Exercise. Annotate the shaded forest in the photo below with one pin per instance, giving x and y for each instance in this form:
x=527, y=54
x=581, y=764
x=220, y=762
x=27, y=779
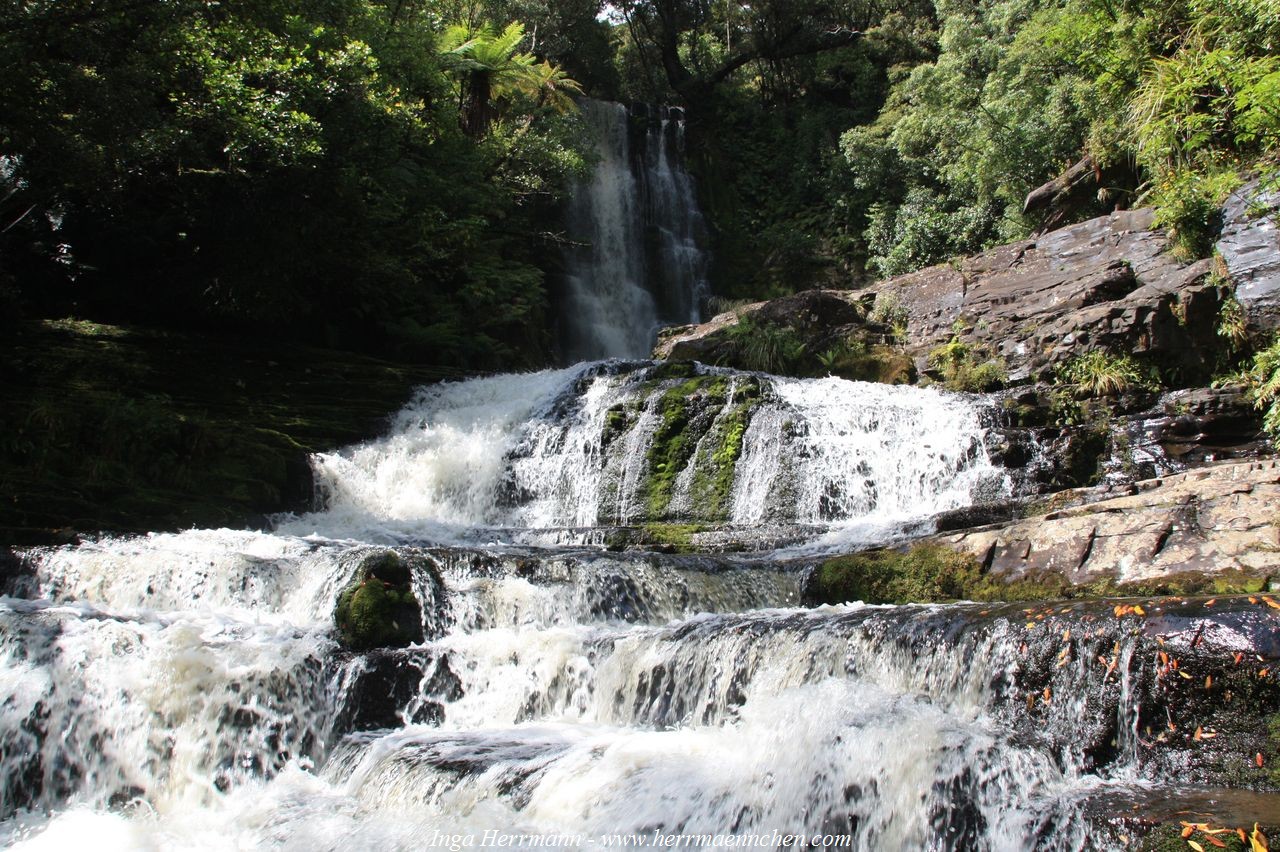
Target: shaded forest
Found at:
x=387, y=177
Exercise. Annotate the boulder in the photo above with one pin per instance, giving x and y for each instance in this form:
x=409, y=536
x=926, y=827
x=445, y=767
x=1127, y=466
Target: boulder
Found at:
x=813, y=316
x=379, y=607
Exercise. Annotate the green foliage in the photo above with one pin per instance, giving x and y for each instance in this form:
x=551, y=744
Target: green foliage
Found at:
x=301, y=170
x=1264, y=386
x=965, y=368
x=1189, y=205
x=1177, y=95
x=1233, y=324
x=1100, y=373
x=765, y=347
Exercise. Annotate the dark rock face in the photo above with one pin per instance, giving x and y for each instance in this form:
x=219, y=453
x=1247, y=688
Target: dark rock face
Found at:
x=1250, y=247
x=1137, y=436
x=1109, y=283
x=1177, y=685
x=391, y=687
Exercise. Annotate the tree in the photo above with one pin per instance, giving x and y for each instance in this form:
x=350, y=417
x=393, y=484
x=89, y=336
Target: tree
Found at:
x=699, y=45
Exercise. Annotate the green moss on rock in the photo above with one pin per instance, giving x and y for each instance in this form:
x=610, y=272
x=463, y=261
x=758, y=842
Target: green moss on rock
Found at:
x=926, y=572
x=687, y=411
x=379, y=609
x=930, y=573
x=676, y=537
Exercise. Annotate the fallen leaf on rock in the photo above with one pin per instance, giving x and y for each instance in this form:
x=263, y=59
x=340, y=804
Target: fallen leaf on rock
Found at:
x=1257, y=758
x=1198, y=734
x=1195, y=846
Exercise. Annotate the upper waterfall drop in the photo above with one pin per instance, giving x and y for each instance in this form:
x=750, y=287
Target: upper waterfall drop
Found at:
x=638, y=263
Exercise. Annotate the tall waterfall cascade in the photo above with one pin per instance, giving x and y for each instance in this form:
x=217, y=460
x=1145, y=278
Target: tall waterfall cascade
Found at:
x=638, y=263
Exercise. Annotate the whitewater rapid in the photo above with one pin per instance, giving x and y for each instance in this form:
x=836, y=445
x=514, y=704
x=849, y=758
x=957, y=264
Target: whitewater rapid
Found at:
x=185, y=690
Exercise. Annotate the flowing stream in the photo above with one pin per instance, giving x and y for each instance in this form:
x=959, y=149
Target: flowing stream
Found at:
x=187, y=691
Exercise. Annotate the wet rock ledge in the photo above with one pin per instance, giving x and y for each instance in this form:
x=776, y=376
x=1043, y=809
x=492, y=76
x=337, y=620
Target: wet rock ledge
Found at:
x=1217, y=521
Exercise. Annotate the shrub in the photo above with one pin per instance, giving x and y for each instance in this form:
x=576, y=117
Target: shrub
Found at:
x=1189, y=204
x=1100, y=373
x=763, y=347
x=1233, y=325
x=1264, y=387
x=964, y=368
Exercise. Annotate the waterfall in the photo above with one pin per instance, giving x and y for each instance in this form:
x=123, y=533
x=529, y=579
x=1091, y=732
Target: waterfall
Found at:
x=591, y=445
x=188, y=690
x=639, y=264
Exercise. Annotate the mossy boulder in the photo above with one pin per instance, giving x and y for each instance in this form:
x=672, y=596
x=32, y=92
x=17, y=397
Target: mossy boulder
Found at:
x=379, y=609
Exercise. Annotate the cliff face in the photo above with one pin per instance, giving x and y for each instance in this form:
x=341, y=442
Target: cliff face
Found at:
x=1112, y=283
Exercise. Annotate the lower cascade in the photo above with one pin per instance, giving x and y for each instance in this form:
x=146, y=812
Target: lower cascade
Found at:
x=191, y=690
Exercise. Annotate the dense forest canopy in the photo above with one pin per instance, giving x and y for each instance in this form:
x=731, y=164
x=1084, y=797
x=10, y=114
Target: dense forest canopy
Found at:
x=386, y=176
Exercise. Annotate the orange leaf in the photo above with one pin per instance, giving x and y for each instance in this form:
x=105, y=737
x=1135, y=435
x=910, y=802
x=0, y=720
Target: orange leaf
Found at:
x=1049, y=694
x=1244, y=838
x=1198, y=734
x=1252, y=599
x=1208, y=681
x=1188, y=831
x=1257, y=758
x=1272, y=603
x=1239, y=657
x=1264, y=672
x=1164, y=659
x=1066, y=635
x=1215, y=841
x=1139, y=610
